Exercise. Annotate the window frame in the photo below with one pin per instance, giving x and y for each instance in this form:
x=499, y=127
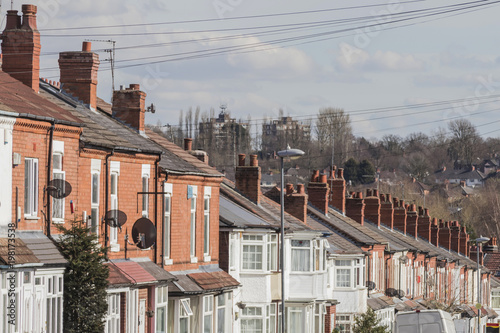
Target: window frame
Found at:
x=206, y=227
x=252, y=241
x=113, y=314
x=58, y=204
x=161, y=303
x=255, y=317
x=341, y=268
x=192, y=215
x=114, y=203
x=31, y=187
x=208, y=312
x=94, y=205
x=294, y=250
x=167, y=222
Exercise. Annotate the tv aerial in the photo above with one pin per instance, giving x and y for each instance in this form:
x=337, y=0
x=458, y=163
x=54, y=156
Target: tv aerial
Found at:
x=370, y=285
x=144, y=233
x=115, y=218
x=59, y=188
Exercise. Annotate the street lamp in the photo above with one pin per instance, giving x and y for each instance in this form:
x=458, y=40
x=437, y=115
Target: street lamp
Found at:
x=479, y=241
x=282, y=154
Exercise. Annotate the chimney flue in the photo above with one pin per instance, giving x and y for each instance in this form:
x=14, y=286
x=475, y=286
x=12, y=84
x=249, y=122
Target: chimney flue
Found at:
x=86, y=47
x=188, y=144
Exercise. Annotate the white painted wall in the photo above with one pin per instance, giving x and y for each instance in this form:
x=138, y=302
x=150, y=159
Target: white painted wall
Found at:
x=6, y=126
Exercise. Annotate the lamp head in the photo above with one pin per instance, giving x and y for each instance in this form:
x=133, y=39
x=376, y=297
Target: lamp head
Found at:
x=482, y=240
x=289, y=152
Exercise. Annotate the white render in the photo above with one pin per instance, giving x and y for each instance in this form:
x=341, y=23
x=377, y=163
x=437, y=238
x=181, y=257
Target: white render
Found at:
x=6, y=127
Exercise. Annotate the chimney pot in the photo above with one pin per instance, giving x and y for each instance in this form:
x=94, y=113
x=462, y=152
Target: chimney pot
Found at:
x=333, y=171
x=253, y=161
x=13, y=20
x=87, y=47
x=315, y=176
x=375, y=193
x=289, y=188
x=359, y=195
x=323, y=179
x=188, y=144
x=368, y=192
x=301, y=189
x=241, y=159
x=135, y=86
x=340, y=173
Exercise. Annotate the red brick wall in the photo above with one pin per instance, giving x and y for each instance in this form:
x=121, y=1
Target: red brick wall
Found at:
x=412, y=220
x=355, y=207
x=372, y=206
x=129, y=105
x=31, y=139
x=331, y=312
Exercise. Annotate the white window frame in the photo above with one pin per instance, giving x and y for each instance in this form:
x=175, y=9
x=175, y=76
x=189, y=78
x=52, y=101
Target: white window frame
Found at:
x=192, y=238
x=271, y=317
x=272, y=253
x=161, y=305
x=343, y=322
x=58, y=173
x=132, y=310
x=343, y=269
x=146, y=173
x=302, y=323
x=31, y=187
x=250, y=243
x=94, y=201
x=206, y=224
x=185, y=312
x=225, y=308
x=113, y=314
x=250, y=314
x=113, y=190
x=167, y=226
x=54, y=303
x=296, y=248
x=319, y=317
x=208, y=314
x=233, y=239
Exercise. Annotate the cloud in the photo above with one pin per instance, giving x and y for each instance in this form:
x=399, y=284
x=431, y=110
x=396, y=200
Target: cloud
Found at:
x=354, y=59
x=460, y=60
x=438, y=80
x=311, y=100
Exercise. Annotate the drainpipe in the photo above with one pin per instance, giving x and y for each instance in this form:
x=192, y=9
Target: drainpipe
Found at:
x=49, y=169
x=387, y=272
x=106, y=200
x=425, y=277
x=369, y=270
x=156, y=209
x=413, y=276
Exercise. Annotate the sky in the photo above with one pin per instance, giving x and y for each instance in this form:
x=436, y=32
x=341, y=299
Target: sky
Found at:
x=383, y=75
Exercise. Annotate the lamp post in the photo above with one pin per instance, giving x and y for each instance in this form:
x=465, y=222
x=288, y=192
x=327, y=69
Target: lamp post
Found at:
x=479, y=241
x=282, y=154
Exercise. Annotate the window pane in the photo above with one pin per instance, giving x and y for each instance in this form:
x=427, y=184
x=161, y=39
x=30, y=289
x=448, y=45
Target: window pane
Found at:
x=252, y=256
x=145, y=188
x=95, y=188
x=300, y=260
x=206, y=234
x=343, y=278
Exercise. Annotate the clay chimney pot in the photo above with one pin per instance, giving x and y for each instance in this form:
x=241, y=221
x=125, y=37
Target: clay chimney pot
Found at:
x=241, y=159
x=289, y=188
x=87, y=47
x=253, y=161
x=301, y=189
x=188, y=144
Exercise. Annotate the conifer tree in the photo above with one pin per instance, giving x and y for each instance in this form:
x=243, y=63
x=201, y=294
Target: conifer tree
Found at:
x=85, y=280
x=368, y=323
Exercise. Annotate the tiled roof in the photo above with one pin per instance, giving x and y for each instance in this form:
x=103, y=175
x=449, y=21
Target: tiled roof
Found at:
x=338, y=244
x=43, y=248
x=23, y=255
x=19, y=98
x=492, y=261
x=214, y=280
x=117, y=277
x=183, y=285
x=176, y=159
x=377, y=303
x=134, y=272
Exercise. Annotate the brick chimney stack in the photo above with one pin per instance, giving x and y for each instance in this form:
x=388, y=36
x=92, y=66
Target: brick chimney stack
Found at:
x=21, y=47
x=386, y=211
x=412, y=220
x=129, y=105
x=455, y=236
x=248, y=178
x=296, y=202
x=424, y=224
x=372, y=206
x=445, y=235
x=399, y=215
x=464, y=241
x=318, y=191
x=79, y=74
x=435, y=232
x=491, y=246
x=337, y=199
x=355, y=207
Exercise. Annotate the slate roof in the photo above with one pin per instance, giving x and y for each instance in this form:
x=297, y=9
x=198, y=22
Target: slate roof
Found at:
x=156, y=271
x=377, y=303
x=134, y=272
x=462, y=174
x=176, y=159
x=43, y=248
x=19, y=98
x=232, y=214
x=268, y=210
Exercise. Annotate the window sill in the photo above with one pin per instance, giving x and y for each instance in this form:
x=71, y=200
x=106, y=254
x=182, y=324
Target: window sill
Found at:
x=58, y=221
x=32, y=217
x=194, y=260
x=115, y=248
x=207, y=258
x=168, y=262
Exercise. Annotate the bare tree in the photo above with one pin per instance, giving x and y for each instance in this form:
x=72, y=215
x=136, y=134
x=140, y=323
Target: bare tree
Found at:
x=333, y=130
x=464, y=141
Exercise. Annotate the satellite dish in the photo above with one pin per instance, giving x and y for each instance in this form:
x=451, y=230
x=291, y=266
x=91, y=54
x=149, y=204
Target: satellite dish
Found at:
x=115, y=218
x=400, y=293
x=391, y=292
x=144, y=233
x=59, y=188
x=370, y=285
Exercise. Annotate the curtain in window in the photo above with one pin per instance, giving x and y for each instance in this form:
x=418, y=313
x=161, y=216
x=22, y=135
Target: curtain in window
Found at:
x=300, y=260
